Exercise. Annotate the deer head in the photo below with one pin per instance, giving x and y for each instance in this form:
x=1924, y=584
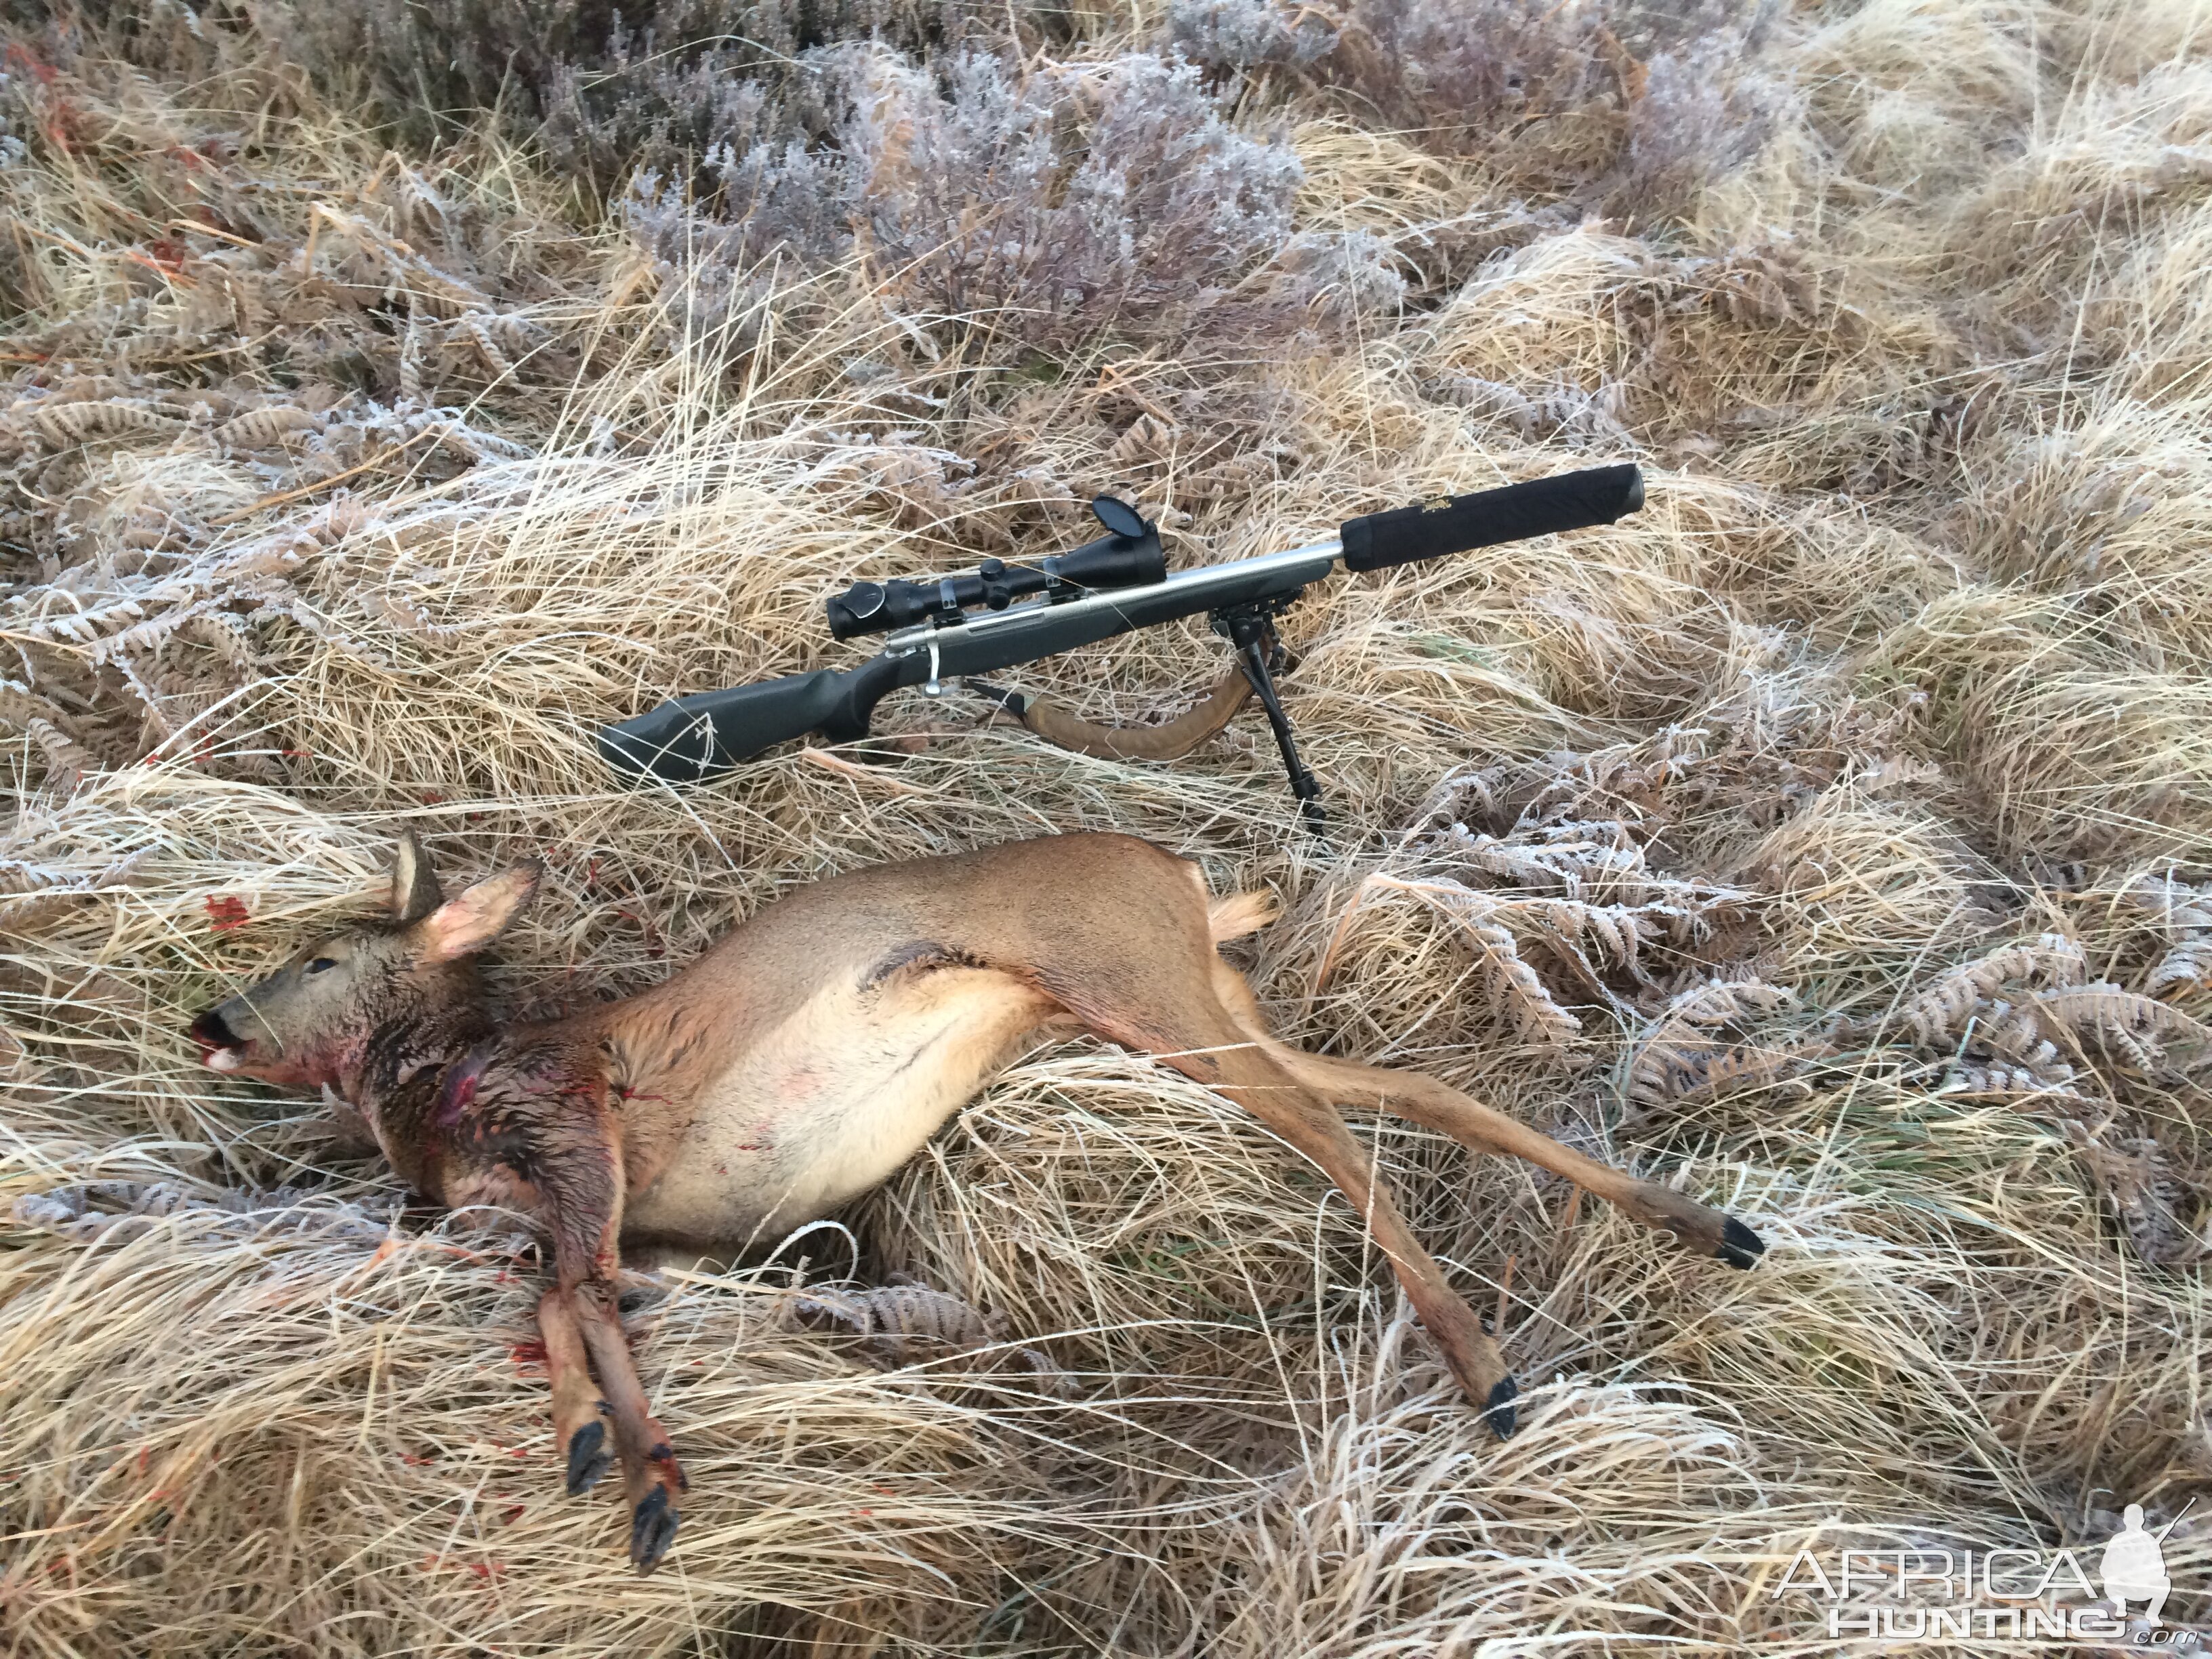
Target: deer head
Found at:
x=401, y=987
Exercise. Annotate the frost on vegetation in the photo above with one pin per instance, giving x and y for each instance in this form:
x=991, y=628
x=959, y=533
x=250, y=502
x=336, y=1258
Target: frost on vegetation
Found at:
x=2024, y=1022
x=1633, y=104
x=1559, y=410
x=112, y=1212
x=905, y=1322
x=2183, y=912
x=1244, y=34
x=1568, y=875
x=1578, y=896
x=267, y=457
x=34, y=896
x=1343, y=276
x=1698, y=1044
x=120, y=662
x=596, y=91
x=2026, y=1017
x=1761, y=756
x=175, y=467
x=1048, y=205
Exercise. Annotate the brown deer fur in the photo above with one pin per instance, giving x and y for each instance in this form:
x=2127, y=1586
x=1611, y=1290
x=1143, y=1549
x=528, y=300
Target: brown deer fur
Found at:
x=803, y=1059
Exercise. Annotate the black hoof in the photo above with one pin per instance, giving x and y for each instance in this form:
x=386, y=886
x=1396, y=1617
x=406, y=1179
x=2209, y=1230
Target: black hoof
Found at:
x=588, y=1458
x=652, y=1530
x=1739, y=1246
x=1499, y=1412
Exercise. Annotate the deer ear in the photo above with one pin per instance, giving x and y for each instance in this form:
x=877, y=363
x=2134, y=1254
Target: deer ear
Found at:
x=415, y=890
x=464, y=925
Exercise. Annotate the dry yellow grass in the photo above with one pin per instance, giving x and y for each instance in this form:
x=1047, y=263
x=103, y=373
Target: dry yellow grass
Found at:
x=1904, y=665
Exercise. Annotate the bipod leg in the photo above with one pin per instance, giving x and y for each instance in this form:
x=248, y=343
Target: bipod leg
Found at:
x=1254, y=636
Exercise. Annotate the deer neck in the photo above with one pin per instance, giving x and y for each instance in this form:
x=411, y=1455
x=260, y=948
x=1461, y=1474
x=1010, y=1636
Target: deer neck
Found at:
x=396, y=1080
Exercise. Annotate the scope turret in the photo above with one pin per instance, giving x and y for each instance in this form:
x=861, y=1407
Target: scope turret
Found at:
x=1129, y=556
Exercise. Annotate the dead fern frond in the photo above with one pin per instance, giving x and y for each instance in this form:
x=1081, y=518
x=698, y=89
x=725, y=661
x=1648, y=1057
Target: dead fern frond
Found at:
x=479, y=332
x=1688, y=1050
x=2187, y=964
x=1536, y=1016
x=2184, y=912
x=1717, y=1002
x=114, y=1213
x=270, y=427
x=903, y=1322
x=56, y=733
x=32, y=895
x=2003, y=1079
x=407, y=618
x=2138, y=1179
x=1574, y=857
x=1733, y=1070
x=413, y=349
x=65, y=424
x=2137, y=1028
x=403, y=272
x=1940, y=1014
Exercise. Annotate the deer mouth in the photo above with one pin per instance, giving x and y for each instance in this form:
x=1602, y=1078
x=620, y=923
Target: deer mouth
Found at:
x=222, y=1049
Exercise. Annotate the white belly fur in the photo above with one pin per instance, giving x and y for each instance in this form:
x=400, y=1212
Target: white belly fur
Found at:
x=826, y=1104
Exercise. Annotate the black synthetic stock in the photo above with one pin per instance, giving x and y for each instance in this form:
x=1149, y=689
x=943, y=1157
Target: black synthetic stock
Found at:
x=1458, y=524
x=695, y=737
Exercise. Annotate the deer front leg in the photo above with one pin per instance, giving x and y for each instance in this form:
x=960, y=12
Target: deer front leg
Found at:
x=650, y=1476
x=579, y=1431
x=582, y=1161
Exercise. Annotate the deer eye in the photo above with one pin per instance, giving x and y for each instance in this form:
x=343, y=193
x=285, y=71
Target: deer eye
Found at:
x=320, y=964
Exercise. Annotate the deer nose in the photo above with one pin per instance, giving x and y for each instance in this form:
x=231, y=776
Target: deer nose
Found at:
x=211, y=1031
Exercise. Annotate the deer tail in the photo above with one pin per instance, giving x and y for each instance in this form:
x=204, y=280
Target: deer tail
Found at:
x=1238, y=914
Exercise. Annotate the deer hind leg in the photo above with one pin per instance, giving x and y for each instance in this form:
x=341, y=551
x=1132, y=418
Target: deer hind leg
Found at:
x=1182, y=1025
x=1438, y=1106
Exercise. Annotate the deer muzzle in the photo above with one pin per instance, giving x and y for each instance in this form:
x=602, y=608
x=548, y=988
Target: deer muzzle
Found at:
x=222, y=1049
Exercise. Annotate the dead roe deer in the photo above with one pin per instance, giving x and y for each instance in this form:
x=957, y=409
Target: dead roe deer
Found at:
x=804, y=1058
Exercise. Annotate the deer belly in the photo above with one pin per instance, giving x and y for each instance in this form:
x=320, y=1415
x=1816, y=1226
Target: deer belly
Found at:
x=826, y=1105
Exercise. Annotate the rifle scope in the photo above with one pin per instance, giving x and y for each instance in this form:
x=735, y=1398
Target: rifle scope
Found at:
x=1128, y=555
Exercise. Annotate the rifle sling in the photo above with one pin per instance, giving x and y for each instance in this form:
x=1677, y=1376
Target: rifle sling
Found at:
x=1171, y=741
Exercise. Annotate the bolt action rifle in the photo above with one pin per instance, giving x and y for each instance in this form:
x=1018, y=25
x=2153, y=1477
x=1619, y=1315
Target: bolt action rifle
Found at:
x=960, y=626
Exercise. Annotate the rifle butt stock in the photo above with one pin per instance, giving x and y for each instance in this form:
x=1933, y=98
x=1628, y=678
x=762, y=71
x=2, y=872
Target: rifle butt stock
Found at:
x=693, y=738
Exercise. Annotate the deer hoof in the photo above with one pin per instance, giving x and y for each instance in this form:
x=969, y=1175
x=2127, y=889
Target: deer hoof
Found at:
x=1498, y=1411
x=1739, y=1246
x=588, y=1458
x=652, y=1530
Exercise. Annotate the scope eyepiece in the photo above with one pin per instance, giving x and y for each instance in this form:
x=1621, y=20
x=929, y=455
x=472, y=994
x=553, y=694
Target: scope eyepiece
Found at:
x=1130, y=556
